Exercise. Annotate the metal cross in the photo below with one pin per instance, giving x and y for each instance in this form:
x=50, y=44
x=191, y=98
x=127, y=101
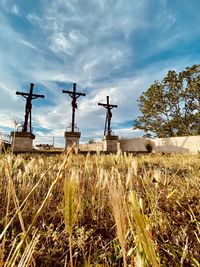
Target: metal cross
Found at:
x=29, y=97
x=74, y=95
x=108, y=106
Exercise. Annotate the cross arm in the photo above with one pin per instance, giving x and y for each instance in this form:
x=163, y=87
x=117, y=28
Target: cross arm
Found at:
x=33, y=96
x=107, y=106
x=71, y=93
x=114, y=106
x=23, y=94
x=36, y=96
x=101, y=104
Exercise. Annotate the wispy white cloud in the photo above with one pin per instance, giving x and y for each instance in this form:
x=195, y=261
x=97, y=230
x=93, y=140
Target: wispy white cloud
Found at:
x=10, y=7
x=28, y=44
x=15, y=10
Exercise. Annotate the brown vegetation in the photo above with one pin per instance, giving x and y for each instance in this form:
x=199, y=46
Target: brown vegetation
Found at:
x=113, y=210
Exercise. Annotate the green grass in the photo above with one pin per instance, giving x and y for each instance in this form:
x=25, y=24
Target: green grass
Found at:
x=114, y=210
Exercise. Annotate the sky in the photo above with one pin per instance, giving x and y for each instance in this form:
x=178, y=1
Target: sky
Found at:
x=108, y=47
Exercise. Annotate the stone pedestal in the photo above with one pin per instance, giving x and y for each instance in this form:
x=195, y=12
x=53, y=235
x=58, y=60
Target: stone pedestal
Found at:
x=22, y=142
x=72, y=140
x=110, y=143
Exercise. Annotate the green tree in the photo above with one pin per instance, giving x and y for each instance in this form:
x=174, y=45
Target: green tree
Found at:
x=172, y=107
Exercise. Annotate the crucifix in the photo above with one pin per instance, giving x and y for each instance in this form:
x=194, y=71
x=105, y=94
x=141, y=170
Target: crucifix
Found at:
x=74, y=95
x=108, y=106
x=29, y=97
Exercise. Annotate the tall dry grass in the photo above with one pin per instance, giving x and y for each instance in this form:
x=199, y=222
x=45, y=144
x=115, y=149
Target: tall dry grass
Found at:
x=114, y=210
x=71, y=206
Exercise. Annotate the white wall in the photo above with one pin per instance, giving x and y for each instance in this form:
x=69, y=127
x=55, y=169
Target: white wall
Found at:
x=134, y=144
x=91, y=147
x=185, y=144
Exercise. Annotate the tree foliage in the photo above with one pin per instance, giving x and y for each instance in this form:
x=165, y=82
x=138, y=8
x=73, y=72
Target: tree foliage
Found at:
x=172, y=107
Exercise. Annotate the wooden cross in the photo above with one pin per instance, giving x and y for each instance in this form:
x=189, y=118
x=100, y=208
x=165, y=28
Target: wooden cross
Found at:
x=29, y=97
x=108, y=106
x=74, y=95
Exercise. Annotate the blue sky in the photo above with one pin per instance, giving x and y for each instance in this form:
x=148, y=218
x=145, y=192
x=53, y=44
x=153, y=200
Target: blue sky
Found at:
x=108, y=47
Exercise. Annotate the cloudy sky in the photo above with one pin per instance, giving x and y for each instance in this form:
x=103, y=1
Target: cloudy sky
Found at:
x=108, y=47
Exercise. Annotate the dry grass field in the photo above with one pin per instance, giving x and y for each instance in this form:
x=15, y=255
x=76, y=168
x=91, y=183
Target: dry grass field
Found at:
x=95, y=210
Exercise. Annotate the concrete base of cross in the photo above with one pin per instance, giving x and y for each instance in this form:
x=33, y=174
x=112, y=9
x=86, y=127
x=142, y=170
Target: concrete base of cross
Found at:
x=72, y=140
x=110, y=143
x=22, y=142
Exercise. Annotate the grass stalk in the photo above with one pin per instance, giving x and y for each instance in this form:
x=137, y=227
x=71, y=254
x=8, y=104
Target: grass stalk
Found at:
x=28, y=196
x=71, y=208
x=6, y=222
x=143, y=238
x=25, y=236
x=117, y=204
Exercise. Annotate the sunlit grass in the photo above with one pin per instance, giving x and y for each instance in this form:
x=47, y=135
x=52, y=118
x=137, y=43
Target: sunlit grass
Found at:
x=114, y=210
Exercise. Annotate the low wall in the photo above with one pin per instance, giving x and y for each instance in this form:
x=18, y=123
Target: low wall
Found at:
x=91, y=147
x=134, y=144
x=184, y=144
